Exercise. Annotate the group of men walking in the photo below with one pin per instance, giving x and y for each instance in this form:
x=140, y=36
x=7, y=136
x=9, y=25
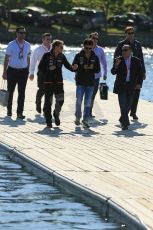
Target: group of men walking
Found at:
x=87, y=65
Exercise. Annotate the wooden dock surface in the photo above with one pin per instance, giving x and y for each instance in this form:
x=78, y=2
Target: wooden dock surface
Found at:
x=117, y=164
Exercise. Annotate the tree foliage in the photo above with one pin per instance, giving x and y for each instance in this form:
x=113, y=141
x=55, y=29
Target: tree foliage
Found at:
x=109, y=6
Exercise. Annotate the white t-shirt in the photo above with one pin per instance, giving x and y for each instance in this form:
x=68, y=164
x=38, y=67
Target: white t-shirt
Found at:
x=36, y=57
x=13, y=50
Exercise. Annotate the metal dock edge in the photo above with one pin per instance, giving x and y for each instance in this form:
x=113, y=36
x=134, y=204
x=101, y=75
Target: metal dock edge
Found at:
x=103, y=205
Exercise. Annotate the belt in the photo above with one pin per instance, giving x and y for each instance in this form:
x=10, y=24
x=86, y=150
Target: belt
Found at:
x=17, y=69
x=51, y=82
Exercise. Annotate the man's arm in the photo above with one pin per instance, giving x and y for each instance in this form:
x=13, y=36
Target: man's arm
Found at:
x=116, y=64
x=139, y=74
x=118, y=50
x=142, y=61
x=6, y=61
x=33, y=62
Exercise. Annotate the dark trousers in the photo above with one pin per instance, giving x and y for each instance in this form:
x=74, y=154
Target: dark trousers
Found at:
x=19, y=78
x=135, y=101
x=58, y=91
x=40, y=92
x=125, y=101
x=96, y=85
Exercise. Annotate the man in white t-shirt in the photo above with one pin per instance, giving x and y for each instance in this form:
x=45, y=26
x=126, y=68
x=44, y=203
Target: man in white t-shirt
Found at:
x=34, y=61
x=16, y=69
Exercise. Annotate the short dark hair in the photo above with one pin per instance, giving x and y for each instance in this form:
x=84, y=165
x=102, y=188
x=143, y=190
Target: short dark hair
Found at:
x=129, y=28
x=57, y=43
x=20, y=28
x=46, y=35
x=88, y=41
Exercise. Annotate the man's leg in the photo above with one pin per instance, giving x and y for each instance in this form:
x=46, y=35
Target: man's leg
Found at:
x=22, y=82
x=80, y=90
x=47, y=112
x=135, y=103
x=40, y=93
x=96, y=85
x=87, y=104
x=59, y=97
x=11, y=83
x=124, y=108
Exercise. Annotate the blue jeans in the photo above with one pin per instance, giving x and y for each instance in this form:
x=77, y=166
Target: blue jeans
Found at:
x=125, y=102
x=86, y=92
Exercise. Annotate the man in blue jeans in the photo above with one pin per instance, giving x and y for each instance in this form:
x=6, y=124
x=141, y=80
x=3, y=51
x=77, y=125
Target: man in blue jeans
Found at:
x=88, y=64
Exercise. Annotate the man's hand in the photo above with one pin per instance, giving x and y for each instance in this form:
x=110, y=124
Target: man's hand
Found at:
x=4, y=76
x=75, y=67
x=118, y=61
x=31, y=77
x=144, y=76
x=104, y=77
x=138, y=86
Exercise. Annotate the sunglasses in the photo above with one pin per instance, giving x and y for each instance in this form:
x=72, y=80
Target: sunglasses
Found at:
x=21, y=32
x=125, y=50
x=88, y=48
x=130, y=33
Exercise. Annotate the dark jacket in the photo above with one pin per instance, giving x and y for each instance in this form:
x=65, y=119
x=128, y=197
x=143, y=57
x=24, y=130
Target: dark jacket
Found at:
x=136, y=75
x=50, y=67
x=86, y=77
x=136, y=51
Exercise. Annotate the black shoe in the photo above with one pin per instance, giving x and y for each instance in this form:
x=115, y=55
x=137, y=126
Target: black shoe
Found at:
x=57, y=120
x=38, y=107
x=20, y=116
x=135, y=117
x=49, y=125
x=9, y=113
x=124, y=127
x=92, y=116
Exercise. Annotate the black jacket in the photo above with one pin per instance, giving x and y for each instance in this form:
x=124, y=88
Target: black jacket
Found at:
x=136, y=51
x=83, y=76
x=136, y=75
x=50, y=67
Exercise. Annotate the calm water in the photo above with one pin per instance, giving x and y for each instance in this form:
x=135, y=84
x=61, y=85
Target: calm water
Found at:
x=28, y=203
x=147, y=90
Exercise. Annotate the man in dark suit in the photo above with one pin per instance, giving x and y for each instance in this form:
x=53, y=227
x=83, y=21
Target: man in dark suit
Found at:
x=129, y=76
x=137, y=52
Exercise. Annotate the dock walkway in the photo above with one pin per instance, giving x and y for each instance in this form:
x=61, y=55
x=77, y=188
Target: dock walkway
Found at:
x=114, y=163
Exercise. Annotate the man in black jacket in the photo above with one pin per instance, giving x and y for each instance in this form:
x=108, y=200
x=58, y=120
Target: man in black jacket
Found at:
x=50, y=67
x=88, y=64
x=129, y=76
x=137, y=52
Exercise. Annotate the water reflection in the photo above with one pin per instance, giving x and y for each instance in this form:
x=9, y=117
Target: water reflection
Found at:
x=27, y=203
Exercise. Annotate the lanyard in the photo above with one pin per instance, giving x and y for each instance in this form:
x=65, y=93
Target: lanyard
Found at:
x=21, y=48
